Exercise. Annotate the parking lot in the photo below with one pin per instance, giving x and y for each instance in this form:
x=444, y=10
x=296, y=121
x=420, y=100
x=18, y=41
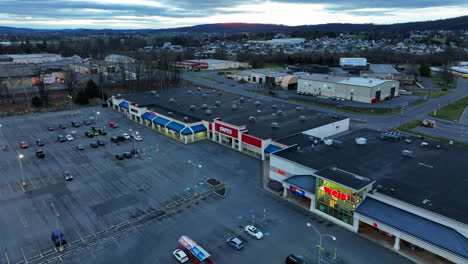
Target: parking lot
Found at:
x=134, y=210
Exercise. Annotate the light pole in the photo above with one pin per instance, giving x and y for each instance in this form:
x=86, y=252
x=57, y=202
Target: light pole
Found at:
x=71, y=105
x=320, y=248
x=133, y=135
x=20, y=157
x=195, y=170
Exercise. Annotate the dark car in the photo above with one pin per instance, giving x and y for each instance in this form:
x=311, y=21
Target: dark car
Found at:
x=89, y=134
x=114, y=139
x=40, y=154
x=102, y=132
x=134, y=152
x=93, y=144
x=119, y=157
x=235, y=243
x=87, y=122
x=80, y=147
x=101, y=142
x=39, y=142
x=293, y=259
x=62, y=126
x=67, y=175
x=94, y=128
x=75, y=124
x=127, y=155
x=61, y=138
x=120, y=138
x=58, y=238
x=275, y=186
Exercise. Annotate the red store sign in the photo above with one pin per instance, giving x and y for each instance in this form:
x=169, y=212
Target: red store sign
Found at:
x=337, y=194
x=252, y=140
x=228, y=131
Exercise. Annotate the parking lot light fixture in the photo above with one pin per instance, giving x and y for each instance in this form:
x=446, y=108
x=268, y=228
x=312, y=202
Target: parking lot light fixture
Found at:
x=320, y=248
x=20, y=157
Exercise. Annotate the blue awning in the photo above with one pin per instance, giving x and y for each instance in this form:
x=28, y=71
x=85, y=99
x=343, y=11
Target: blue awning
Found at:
x=422, y=228
x=148, y=116
x=109, y=100
x=175, y=126
x=198, y=128
x=272, y=148
x=161, y=121
x=124, y=104
x=186, y=131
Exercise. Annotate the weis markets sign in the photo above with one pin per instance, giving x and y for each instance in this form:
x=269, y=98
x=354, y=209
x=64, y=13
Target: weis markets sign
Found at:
x=336, y=193
x=228, y=131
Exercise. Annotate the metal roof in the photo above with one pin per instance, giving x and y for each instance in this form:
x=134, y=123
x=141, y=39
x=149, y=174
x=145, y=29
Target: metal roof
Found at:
x=382, y=68
x=365, y=82
x=422, y=228
x=304, y=182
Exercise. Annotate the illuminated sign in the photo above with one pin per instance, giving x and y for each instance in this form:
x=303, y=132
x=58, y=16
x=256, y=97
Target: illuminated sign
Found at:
x=281, y=172
x=194, y=248
x=151, y=112
x=335, y=193
x=225, y=130
x=297, y=191
x=228, y=131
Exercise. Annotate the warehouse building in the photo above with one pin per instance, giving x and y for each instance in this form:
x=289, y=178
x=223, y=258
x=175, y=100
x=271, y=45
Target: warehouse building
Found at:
x=249, y=125
x=280, y=41
x=388, y=72
x=404, y=191
x=30, y=58
x=210, y=64
x=272, y=78
x=360, y=89
x=353, y=62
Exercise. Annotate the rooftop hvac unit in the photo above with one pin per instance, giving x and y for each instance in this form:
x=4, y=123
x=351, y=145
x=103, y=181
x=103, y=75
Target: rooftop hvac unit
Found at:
x=185, y=118
x=257, y=103
x=171, y=100
x=302, y=118
x=199, y=88
x=241, y=99
x=424, y=143
x=407, y=153
x=234, y=107
x=220, y=93
x=170, y=113
x=204, y=95
x=204, y=106
x=218, y=103
x=208, y=112
x=193, y=107
x=189, y=91
x=274, y=125
x=274, y=106
x=252, y=119
x=259, y=111
x=298, y=108
x=361, y=141
x=279, y=112
x=328, y=142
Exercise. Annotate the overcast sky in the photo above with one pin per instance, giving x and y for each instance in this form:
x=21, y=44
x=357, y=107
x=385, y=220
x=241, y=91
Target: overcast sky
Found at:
x=174, y=13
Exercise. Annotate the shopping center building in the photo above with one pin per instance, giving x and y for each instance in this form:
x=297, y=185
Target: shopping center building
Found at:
x=404, y=190
x=250, y=125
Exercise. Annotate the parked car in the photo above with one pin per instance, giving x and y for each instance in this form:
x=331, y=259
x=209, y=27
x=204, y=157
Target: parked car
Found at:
x=102, y=132
x=113, y=124
x=87, y=122
x=101, y=142
x=93, y=144
x=114, y=139
x=127, y=155
x=253, y=231
x=134, y=151
x=89, y=134
x=75, y=124
x=180, y=256
x=293, y=259
x=119, y=156
x=50, y=128
x=80, y=147
x=121, y=138
x=39, y=143
x=67, y=175
x=126, y=136
x=94, y=128
x=40, y=154
x=62, y=126
x=235, y=242
x=69, y=137
x=61, y=138
x=23, y=144
x=58, y=238
x=95, y=133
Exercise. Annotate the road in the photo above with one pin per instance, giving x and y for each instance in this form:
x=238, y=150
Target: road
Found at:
x=382, y=122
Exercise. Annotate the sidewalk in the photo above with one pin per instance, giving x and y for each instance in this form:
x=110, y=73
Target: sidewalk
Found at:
x=464, y=117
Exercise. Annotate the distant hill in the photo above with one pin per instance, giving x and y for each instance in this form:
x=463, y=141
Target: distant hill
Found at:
x=458, y=23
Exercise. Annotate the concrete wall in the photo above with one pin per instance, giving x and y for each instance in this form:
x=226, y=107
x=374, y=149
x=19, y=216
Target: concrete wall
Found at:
x=316, y=87
x=329, y=129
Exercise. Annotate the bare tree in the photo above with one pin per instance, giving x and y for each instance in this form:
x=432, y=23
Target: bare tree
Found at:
x=71, y=80
x=43, y=90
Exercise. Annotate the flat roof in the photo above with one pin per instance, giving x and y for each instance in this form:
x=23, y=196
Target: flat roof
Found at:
x=364, y=82
x=322, y=78
x=382, y=68
x=304, y=182
x=338, y=175
x=212, y=61
x=433, y=178
x=194, y=102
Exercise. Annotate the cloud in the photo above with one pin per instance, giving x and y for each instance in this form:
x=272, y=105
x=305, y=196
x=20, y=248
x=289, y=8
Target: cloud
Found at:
x=165, y=13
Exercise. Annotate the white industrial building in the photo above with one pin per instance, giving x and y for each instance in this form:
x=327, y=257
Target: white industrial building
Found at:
x=353, y=62
x=278, y=78
x=119, y=59
x=30, y=58
x=366, y=90
x=211, y=64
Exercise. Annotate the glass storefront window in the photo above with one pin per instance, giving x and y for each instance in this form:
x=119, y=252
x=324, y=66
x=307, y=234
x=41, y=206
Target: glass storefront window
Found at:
x=337, y=201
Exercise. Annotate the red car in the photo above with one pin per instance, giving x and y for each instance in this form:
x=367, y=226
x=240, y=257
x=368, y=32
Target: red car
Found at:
x=23, y=144
x=113, y=124
x=50, y=129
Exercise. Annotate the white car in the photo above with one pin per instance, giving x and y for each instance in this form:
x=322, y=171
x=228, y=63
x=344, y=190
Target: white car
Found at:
x=137, y=137
x=253, y=231
x=126, y=136
x=180, y=255
x=69, y=137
